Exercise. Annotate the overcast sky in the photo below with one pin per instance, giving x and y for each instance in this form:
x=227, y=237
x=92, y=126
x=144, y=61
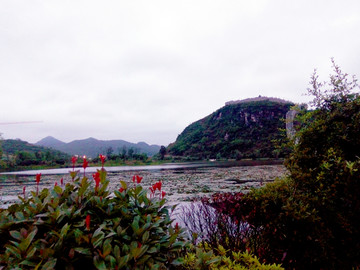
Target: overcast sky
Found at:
x=144, y=70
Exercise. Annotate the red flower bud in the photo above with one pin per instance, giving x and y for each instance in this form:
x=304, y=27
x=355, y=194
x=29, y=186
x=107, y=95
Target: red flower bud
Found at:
x=73, y=160
x=87, y=222
x=102, y=158
x=157, y=185
x=96, y=177
x=38, y=176
x=137, y=179
x=85, y=163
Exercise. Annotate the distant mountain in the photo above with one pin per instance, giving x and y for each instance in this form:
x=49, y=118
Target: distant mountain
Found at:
x=50, y=142
x=92, y=147
x=241, y=129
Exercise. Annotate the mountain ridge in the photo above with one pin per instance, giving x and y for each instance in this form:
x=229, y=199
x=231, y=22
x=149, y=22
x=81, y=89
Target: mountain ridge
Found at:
x=92, y=147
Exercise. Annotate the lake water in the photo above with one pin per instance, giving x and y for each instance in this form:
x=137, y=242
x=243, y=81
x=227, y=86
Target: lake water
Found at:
x=182, y=182
x=166, y=166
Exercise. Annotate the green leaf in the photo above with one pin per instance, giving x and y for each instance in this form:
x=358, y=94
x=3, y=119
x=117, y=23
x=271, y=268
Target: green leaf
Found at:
x=99, y=264
x=145, y=236
x=153, y=250
x=13, y=250
x=144, y=259
x=123, y=261
x=98, y=237
x=107, y=247
x=103, y=174
x=117, y=252
x=135, y=225
x=28, y=263
x=112, y=261
x=58, y=190
x=123, y=184
x=26, y=242
x=84, y=251
x=50, y=264
x=83, y=186
x=178, y=261
x=16, y=235
x=19, y=215
x=31, y=252
x=64, y=230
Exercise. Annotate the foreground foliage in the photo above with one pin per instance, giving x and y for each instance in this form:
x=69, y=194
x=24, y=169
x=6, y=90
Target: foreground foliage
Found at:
x=77, y=225
x=81, y=225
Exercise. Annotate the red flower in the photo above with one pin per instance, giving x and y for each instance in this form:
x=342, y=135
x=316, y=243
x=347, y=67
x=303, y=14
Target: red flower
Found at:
x=24, y=188
x=38, y=176
x=163, y=193
x=85, y=163
x=139, y=245
x=73, y=160
x=96, y=177
x=177, y=227
x=55, y=184
x=157, y=185
x=137, y=179
x=102, y=158
x=62, y=181
x=87, y=222
x=121, y=189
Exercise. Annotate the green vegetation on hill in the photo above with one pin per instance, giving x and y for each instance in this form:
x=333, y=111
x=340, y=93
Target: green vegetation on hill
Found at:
x=238, y=130
x=17, y=153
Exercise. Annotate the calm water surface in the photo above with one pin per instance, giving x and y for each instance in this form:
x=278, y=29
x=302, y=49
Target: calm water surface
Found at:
x=181, y=181
x=166, y=166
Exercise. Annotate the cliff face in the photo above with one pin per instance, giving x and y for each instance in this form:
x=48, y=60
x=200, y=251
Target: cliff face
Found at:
x=240, y=129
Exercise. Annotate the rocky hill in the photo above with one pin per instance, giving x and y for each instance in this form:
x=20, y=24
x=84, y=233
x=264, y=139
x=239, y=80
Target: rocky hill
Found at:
x=92, y=147
x=241, y=129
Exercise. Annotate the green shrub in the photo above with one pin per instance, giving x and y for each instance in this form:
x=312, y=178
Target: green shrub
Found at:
x=81, y=225
x=203, y=257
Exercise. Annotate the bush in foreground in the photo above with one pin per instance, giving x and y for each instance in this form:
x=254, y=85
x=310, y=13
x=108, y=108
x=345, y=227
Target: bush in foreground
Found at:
x=79, y=225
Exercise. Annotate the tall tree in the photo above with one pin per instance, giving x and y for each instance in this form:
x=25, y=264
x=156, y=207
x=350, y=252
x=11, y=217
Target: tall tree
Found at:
x=162, y=152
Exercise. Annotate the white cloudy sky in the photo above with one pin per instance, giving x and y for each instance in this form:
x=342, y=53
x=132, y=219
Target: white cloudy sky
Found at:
x=144, y=70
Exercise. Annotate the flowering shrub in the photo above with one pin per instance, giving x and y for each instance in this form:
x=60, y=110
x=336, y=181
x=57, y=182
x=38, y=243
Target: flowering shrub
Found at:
x=219, y=221
x=82, y=225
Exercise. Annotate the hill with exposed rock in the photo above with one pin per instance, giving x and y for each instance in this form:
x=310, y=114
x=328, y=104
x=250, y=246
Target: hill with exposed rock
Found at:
x=249, y=128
